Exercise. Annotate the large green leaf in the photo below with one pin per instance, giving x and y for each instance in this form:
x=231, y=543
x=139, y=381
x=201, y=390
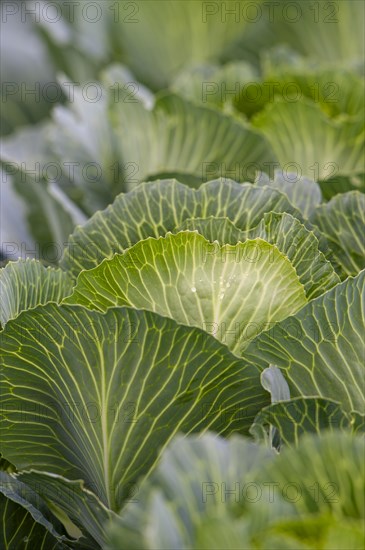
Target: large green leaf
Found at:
x=153, y=209
x=307, y=141
x=186, y=140
x=342, y=220
x=227, y=291
x=27, y=284
x=320, y=349
x=79, y=395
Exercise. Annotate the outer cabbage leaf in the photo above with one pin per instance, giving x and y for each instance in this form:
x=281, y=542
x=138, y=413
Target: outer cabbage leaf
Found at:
x=320, y=349
x=80, y=400
x=153, y=209
x=342, y=221
x=45, y=219
x=215, y=85
x=238, y=87
x=25, y=66
x=82, y=140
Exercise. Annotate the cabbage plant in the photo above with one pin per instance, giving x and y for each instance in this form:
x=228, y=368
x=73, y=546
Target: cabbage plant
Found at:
x=219, y=310
x=182, y=363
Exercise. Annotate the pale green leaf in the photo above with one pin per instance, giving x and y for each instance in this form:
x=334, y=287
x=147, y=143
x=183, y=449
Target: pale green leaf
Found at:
x=330, y=33
x=26, y=147
x=338, y=91
x=274, y=382
x=228, y=291
x=45, y=219
x=302, y=248
x=288, y=234
x=214, y=229
x=221, y=534
x=82, y=140
x=25, y=66
x=214, y=84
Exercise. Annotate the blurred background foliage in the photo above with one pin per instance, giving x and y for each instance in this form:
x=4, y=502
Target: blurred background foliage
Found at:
x=100, y=96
